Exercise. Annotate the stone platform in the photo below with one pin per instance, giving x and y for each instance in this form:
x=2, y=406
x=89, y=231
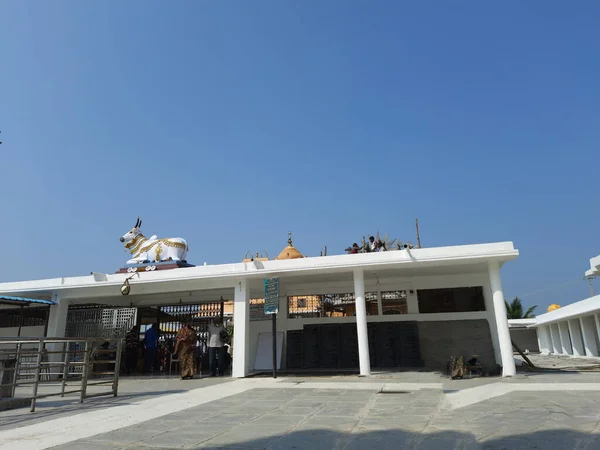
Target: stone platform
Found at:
x=151, y=266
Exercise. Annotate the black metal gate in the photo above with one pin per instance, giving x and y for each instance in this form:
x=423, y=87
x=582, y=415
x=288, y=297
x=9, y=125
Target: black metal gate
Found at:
x=99, y=321
x=114, y=322
x=172, y=317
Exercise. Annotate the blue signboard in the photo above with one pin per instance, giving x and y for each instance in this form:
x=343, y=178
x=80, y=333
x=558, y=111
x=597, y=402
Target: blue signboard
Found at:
x=271, y=295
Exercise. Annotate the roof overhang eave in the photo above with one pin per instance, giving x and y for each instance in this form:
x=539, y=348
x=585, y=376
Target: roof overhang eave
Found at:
x=233, y=273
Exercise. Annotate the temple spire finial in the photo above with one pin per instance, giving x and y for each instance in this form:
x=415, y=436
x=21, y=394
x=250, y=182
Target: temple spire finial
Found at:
x=290, y=238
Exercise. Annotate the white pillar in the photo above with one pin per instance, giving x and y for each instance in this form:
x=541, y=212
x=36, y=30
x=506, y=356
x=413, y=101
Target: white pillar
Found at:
x=57, y=319
x=550, y=338
x=555, y=333
x=57, y=326
x=412, y=302
x=491, y=316
x=544, y=339
x=241, y=330
x=506, y=350
x=565, y=339
x=588, y=328
x=597, y=320
x=361, y=323
x=576, y=338
x=379, y=302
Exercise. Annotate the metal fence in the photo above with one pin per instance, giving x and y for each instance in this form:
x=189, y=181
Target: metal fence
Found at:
x=98, y=320
x=60, y=363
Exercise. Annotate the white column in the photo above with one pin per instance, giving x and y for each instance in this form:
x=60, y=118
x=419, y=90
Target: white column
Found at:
x=597, y=320
x=282, y=318
x=576, y=338
x=379, y=302
x=57, y=326
x=412, y=302
x=555, y=333
x=506, y=350
x=544, y=339
x=491, y=316
x=241, y=330
x=550, y=338
x=57, y=319
x=565, y=339
x=588, y=328
x=361, y=323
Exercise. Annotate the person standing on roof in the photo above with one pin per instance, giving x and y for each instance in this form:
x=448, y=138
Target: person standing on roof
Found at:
x=372, y=244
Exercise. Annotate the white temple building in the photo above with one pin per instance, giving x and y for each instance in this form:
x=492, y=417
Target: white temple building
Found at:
x=406, y=308
x=573, y=329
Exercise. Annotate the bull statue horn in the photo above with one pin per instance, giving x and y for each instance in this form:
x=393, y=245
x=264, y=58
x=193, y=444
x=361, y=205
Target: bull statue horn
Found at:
x=137, y=223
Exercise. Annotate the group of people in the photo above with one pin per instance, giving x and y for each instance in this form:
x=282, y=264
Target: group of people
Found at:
x=186, y=344
x=378, y=245
x=186, y=348
x=374, y=245
x=150, y=348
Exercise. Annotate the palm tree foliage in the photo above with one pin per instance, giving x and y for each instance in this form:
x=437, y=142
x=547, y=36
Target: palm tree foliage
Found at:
x=514, y=310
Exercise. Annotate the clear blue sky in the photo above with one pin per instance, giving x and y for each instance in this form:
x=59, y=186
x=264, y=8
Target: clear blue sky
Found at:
x=231, y=123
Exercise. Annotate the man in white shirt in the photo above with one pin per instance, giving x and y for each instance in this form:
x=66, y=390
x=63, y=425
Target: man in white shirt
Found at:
x=372, y=244
x=216, y=347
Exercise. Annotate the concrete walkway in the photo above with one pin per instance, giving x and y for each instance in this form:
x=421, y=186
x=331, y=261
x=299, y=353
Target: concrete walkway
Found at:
x=539, y=411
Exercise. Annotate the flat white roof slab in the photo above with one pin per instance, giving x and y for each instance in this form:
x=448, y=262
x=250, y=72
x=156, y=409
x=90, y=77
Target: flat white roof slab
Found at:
x=227, y=275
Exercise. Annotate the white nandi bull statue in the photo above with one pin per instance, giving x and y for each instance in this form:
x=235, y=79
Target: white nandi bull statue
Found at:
x=143, y=249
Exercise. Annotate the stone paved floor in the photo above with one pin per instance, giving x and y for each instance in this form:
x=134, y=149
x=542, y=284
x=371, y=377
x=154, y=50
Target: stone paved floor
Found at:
x=294, y=414
x=131, y=390
x=332, y=419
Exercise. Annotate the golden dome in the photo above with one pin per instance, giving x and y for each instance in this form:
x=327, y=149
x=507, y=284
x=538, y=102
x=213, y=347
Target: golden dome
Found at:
x=553, y=307
x=290, y=252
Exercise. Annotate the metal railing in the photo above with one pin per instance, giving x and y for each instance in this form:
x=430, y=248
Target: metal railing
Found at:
x=59, y=362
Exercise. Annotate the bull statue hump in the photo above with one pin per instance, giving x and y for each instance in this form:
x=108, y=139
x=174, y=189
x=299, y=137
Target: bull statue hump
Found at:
x=154, y=249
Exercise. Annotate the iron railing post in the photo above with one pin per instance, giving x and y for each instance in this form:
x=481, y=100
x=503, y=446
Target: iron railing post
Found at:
x=117, y=367
x=37, y=371
x=16, y=374
x=65, y=368
x=85, y=370
x=37, y=374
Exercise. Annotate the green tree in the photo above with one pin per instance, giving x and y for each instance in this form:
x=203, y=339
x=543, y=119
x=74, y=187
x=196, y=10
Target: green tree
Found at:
x=514, y=310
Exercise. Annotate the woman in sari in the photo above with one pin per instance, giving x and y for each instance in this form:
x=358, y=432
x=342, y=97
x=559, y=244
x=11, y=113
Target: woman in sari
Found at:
x=184, y=347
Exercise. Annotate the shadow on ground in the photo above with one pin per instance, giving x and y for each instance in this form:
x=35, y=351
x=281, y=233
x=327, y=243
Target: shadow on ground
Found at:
x=558, y=439
x=555, y=439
